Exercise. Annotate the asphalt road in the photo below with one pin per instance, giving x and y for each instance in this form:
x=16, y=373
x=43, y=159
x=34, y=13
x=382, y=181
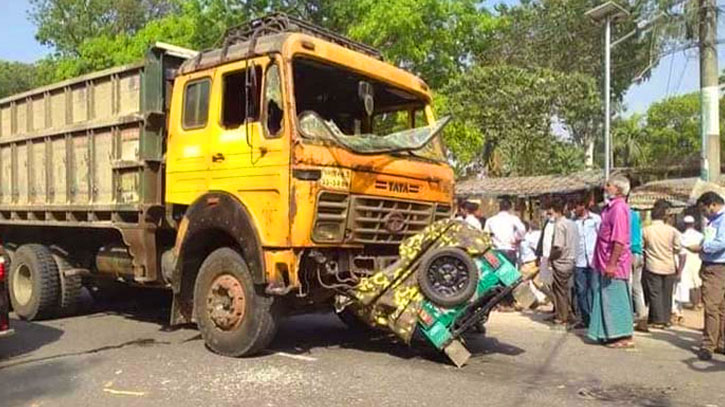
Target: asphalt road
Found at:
x=121, y=354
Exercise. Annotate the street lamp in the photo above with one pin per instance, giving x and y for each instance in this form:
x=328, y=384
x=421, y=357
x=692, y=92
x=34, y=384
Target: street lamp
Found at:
x=607, y=13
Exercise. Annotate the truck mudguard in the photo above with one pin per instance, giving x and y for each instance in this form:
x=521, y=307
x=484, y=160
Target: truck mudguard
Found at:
x=209, y=216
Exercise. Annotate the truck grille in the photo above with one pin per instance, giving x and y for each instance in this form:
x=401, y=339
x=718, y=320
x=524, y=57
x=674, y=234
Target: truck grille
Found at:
x=371, y=218
x=443, y=212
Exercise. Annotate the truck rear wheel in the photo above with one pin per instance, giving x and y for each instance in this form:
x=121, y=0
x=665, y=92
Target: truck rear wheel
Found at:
x=70, y=286
x=233, y=317
x=34, y=282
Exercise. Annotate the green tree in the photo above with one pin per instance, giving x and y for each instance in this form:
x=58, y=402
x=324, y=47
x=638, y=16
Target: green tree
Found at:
x=16, y=77
x=673, y=128
x=66, y=24
x=668, y=135
x=514, y=121
x=630, y=142
x=435, y=38
x=556, y=35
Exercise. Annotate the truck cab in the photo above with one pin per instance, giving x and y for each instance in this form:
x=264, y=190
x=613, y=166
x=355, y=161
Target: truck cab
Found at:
x=325, y=156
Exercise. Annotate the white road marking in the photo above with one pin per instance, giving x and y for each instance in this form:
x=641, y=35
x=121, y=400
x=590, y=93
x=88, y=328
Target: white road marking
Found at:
x=298, y=357
x=125, y=392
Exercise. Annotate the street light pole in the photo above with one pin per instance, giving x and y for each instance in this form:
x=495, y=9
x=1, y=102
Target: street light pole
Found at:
x=607, y=13
x=607, y=97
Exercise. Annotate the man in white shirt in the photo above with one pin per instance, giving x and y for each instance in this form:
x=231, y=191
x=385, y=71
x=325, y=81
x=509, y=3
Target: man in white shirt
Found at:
x=506, y=230
x=472, y=209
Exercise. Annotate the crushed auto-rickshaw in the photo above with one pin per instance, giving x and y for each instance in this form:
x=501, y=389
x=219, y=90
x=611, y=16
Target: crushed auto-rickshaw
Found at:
x=447, y=281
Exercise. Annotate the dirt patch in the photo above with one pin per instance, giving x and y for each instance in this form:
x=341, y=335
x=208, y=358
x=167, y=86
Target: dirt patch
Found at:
x=629, y=395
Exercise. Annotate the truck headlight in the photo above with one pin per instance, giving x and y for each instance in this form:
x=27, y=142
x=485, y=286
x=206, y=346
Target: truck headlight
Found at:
x=330, y=217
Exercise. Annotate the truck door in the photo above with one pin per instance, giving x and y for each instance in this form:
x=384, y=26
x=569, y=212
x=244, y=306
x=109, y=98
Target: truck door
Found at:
x=188, y=145
x=250, y=153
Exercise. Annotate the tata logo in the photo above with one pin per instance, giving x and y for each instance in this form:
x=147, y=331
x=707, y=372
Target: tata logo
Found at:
x=397, y=186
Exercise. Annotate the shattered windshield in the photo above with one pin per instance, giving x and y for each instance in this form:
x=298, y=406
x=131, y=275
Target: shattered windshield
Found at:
x=366, y=116
x=315, y=127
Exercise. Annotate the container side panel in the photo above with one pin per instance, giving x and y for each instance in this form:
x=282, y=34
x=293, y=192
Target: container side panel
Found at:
x=22, y=115
x=60, y=174
x=129, y=180
x=6, y=155
x=130, y=143
x=39, y=171
x=38, y=113
x=58, y=109
x=5, y=122
x=22, y=187
x=104, y=169
x=103, y=98
x=80, y=170
x=80, y=107
x=130, y=93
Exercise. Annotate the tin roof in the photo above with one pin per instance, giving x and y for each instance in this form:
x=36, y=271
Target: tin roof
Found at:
x=677, y=192
x=531, y=186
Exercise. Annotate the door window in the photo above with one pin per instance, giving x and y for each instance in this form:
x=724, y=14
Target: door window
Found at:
x=196, y=104
x=241, y=97
x=273, y=102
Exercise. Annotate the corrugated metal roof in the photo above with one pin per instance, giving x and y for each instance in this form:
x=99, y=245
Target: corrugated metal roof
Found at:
x=676, y=191
x=531, y=186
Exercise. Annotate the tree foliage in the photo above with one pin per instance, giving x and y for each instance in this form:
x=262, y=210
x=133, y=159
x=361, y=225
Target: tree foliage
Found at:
x=556, y=34
x=16, y=77
x=522, y=81
x=514, y=121
x=669, y=134
x=66, y=24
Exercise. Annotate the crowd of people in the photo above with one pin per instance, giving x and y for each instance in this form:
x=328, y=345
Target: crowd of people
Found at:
x=606, y=273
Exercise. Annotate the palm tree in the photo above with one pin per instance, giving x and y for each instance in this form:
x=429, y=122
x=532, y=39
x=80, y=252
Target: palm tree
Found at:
x=629, y=141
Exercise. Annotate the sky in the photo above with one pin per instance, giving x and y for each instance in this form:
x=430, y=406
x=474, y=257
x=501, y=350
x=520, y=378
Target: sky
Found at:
x=674, y=75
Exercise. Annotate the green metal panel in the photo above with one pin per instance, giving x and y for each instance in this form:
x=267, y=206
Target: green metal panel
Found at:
x=494, y=270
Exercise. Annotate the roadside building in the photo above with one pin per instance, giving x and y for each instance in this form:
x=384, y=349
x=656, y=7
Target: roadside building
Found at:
x=529, y=194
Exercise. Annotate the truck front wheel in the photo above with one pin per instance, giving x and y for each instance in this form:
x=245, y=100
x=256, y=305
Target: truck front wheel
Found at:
x=34, y=282
x=233, y=317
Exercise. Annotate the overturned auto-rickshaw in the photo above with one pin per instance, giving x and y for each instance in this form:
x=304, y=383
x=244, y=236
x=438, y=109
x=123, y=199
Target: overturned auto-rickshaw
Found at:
x=446, y=282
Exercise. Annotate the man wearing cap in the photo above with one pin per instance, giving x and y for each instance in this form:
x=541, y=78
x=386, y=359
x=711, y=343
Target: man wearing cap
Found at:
x=691, y=281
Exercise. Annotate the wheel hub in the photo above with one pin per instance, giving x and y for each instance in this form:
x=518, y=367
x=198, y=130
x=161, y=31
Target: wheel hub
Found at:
x=23, y=284
x=448, y=275
x=225, y=302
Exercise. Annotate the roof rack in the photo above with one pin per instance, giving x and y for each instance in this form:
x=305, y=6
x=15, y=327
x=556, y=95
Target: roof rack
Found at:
x=276, y=23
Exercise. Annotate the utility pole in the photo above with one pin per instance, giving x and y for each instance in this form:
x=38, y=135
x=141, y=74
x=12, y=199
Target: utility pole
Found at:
x=607, y=13
x=709, y=92
x=607, y=96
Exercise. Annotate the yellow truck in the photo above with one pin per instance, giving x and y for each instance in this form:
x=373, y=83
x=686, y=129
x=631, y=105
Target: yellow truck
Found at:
x=251, y=180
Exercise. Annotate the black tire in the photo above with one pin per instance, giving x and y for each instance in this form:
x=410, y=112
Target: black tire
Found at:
x=70, y=286
x=257, y=325
x=447, y=276
x=34, y=283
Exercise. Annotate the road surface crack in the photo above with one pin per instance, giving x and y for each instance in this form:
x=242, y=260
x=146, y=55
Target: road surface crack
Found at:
x=135, y=342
